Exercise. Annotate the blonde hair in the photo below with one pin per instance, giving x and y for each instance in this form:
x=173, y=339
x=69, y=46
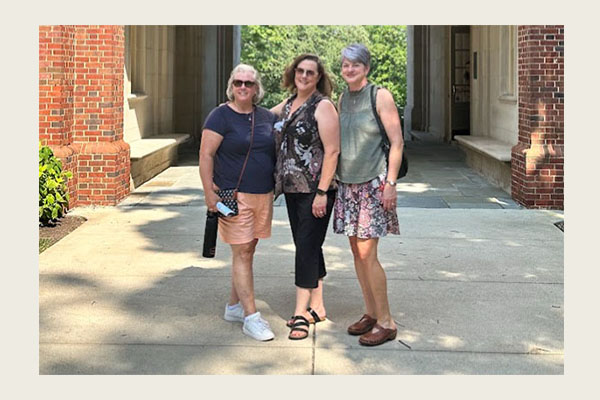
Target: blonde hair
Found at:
x=260, y=93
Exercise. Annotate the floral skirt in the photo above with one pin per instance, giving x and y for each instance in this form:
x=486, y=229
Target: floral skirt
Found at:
x=358, y=210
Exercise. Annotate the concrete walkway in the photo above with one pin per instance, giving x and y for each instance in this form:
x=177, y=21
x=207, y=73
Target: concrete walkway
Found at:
x=474, y=289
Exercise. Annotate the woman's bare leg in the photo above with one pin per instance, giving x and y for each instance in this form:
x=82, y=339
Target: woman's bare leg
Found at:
x=374, y=275
x=242, y=276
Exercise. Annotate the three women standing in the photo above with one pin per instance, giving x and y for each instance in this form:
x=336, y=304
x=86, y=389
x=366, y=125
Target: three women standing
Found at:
x=309, y=138
x=308, y=142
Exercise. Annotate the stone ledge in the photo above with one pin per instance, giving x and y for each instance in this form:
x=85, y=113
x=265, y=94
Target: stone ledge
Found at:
x=496, y=149
x=144, y=147
x=151, y=156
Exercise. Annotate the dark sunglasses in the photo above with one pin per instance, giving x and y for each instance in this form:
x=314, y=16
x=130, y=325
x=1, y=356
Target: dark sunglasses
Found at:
x=248, y=84
x=302, y=71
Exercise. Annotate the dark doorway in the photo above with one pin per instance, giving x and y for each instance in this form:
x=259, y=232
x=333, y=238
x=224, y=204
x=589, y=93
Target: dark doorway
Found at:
x=460, y=103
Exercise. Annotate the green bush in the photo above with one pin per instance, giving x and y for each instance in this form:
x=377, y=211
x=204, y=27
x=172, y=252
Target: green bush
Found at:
x=54, y=197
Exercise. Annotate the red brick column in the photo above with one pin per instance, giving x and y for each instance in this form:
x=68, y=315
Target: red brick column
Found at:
x=538, y=159
x=103, y=168
x=81, y=109
x=56, y=97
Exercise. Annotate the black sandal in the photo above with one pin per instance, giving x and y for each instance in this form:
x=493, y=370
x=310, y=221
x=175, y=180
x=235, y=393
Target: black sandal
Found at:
x=315, y=315
x=299, y=321
x=312, y=312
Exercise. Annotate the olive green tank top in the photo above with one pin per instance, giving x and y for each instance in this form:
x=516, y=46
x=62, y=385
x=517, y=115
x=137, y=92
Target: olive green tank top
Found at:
x=361, y=157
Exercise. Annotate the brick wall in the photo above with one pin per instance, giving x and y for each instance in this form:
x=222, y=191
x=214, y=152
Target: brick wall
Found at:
x=81, y=109
x=538, y=158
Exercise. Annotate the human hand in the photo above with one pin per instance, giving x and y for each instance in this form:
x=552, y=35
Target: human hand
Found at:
x=389, y=197
x=319, y=206
x=211, y=199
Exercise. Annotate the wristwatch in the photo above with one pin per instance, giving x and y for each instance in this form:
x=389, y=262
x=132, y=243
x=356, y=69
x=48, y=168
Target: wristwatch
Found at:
x=321, y=192
x=390, y=182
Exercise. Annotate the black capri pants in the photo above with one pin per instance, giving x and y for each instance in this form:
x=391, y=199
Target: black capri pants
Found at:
x=309, y=234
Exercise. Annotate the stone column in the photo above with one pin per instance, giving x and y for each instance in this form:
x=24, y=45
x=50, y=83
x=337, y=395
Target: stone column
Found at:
x=538, y=159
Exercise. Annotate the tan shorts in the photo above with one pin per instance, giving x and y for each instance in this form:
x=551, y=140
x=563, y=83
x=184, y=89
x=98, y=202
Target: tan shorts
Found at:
x=255, y=213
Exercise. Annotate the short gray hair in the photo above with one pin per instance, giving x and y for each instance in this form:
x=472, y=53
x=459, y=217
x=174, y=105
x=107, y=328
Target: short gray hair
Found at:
x=258, y=96
x=357, y=52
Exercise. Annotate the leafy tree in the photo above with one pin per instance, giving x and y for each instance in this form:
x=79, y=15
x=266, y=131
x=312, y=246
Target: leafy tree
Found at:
x=270, y=48
x=388, y=59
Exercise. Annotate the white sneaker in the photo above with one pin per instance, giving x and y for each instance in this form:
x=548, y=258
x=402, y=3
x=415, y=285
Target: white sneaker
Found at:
x=257, y=328
x=234, y=313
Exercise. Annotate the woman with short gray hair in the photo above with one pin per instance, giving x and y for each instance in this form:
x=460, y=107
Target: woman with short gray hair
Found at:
x=365, y=206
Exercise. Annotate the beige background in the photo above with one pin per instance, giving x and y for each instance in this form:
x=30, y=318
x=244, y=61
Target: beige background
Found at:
x=20, y=280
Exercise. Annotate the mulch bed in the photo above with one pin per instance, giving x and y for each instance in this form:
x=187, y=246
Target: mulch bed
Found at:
x=53, y=233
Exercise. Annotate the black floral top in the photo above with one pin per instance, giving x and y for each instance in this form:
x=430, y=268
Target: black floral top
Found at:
x=299, y=148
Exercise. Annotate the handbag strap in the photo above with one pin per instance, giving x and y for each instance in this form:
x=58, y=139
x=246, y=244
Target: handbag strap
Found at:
x=247, y=156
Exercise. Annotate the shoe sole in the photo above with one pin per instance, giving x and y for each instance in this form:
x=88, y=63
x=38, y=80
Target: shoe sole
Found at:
x=255, y=338
x=391, y=336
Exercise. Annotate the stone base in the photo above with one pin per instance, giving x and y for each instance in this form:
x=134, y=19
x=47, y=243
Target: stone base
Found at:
x=151, y=156
x=496, y=172
x=489, y=157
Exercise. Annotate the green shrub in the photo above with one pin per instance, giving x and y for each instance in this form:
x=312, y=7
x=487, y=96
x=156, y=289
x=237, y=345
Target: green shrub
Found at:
x=54, y=197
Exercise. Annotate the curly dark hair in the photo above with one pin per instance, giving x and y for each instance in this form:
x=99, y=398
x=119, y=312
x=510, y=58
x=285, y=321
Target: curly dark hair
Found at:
x=324, y=86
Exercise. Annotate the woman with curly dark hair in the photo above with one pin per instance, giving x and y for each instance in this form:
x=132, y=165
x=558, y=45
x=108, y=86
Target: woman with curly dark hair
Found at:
x=307, y=144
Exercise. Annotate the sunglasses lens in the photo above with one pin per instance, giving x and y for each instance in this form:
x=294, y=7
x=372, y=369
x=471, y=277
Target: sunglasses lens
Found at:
x=308, y=72
x=238, y=83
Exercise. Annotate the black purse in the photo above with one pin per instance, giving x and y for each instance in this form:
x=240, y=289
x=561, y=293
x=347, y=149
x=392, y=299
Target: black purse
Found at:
x=229, y=196
x=385, y=142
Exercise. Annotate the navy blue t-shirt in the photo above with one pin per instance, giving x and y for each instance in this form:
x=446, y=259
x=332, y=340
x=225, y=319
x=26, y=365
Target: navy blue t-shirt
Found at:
x=230, y=156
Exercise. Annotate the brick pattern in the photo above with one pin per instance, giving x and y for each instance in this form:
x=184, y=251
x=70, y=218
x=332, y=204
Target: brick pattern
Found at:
x=538, y=158
x=81, y=109
x=56, y=97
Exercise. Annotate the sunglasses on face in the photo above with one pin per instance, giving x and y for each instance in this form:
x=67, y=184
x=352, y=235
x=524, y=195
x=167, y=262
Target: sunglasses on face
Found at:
x=309, y=72
x=239, y=83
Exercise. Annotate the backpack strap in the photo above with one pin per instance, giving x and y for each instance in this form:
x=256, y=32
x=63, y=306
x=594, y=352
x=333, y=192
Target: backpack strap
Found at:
x=386, y=140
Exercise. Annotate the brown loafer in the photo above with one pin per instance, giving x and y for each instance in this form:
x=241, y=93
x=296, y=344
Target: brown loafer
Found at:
x=363, y=325
x=376, y=338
